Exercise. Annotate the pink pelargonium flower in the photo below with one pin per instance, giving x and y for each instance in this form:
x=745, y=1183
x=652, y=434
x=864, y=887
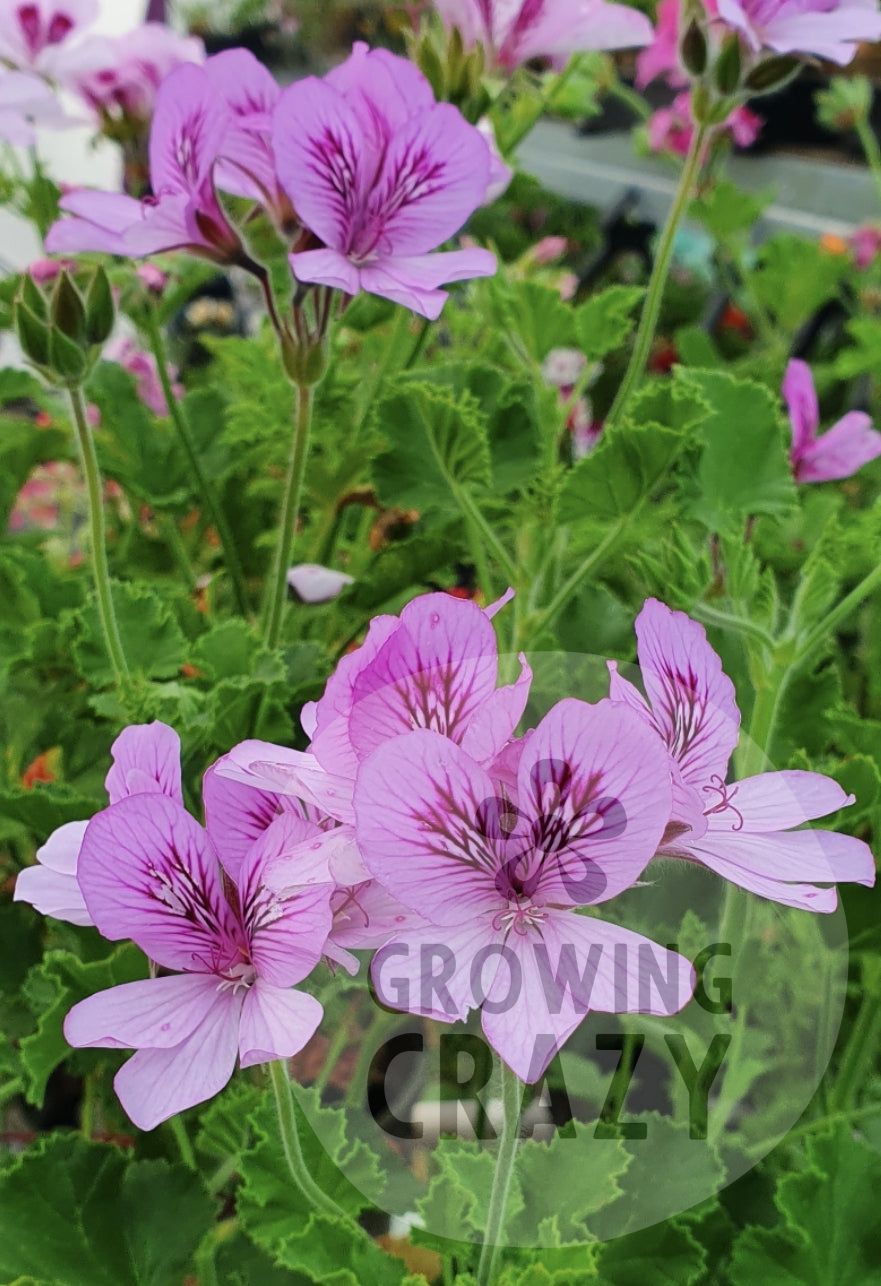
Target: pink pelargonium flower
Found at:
x=499, y=869
x=33, y=31
x=383, y=175
x=191, y=127
x=142, y=365
x=120, y=75
x=146, y=760
x=837, y=453
x=27, y=102
x=516, y=31
x=741, y=831
x=661, y=58
x=827, y=28
x=671, y=129
x=865, y=244
x=150, y=873
x=242, y=803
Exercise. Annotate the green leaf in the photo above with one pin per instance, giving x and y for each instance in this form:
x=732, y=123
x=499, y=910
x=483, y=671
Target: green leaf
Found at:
x=77, y=1212
x=51, y=989
x=793, y=277
x=604, y=322
x=136, y=449
x=550, y=1173
x=728, y=212
x=402, y=566
x=744, y=466
x=269, y=1207
x=45, y=807
x=152, y=640
x=666, y=1253
x=829, y=1230
x=435, y=445
x=535, y=314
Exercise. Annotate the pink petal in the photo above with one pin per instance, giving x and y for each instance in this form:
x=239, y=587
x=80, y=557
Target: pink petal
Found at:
x=413, y=281
x=276, y=1023
x=289, y=772
x=429, y=970
x=158, y=1013
x=834, y=34
x=492, y=727
x=777, y=801
x=156, y=1084
x=841, y=451
x=366, y=916
x=436, y=671
x=237, y=815
x=425, y=814
x=320, y=156
x=327, y=268
x=251, y=93
x=315, y=584
x=324, y=857
x=286, y=929
x=51, y=887
x=564, y=28
x=573, y=965
x=594, y=790
x=167, y=225
x=692, y=699
x=146, y=760
x=148, y=872
x=805, y=897
x=824, y=856
x=383, y=88
x=800, y=395
x=331, y=744
x=190, y=124
x=100, y=223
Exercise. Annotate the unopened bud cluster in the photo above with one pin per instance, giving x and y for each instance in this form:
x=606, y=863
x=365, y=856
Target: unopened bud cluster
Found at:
x=724, y=75
x=456, y=74
x=62, y=333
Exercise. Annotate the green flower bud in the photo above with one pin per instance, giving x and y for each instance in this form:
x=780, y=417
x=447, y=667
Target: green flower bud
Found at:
x=33, y=334
x=32, y=295
x=729, y=67
x=67, y=311
x=100, y=308
x=67, y=360
x=693, y=49
x=772, y=74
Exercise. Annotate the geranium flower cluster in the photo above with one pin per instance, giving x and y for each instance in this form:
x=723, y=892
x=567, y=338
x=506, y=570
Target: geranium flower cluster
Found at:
x=114, y=76
x=363, y=172
x=421, y=826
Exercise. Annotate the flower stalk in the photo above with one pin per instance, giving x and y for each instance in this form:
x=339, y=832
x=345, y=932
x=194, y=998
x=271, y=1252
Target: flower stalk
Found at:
x=97, y=534
x=290, y=512
x=203, y=485
x=512, y=1099
x=648, y=323
x=293, y=1151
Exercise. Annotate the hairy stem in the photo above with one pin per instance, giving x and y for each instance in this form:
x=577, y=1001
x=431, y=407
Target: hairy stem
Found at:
x=203, y=485
x=512, y=1098
x=289, y=517
x=651, y=311
x=290, y=1138
x=98, y=535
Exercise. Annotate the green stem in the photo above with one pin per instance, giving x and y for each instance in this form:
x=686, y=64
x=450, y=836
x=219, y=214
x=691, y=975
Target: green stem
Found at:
x=734, y=624
x=472, y=514
x=182, y=1139
x=171, y=534
x=547, y=617
x=290, y=1138
x=872, y=151
x=859, y=1054
x=290, y=513
x=651, y=311
x=630, y=98
x=512, y=1098
x=340, y=1040
x=552, y=89
x=839, y=613
x=481, y=563
x=98, y=535
x=757, y=749
x=203, y=484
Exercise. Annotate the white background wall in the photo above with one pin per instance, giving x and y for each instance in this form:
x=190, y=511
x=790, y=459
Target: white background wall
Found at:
x=68, y=154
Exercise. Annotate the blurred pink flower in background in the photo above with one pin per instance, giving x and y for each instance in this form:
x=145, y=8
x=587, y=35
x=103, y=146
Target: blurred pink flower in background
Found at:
x=671, y=129
x=866, y=245
x=126, y=353
x=152, y=277
x=840, y=451
x=43, y=271
x=661, y=58
x=121, y=74
x=34, y=32
x=516, y=32
x=828, y=28
x=26, y=102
